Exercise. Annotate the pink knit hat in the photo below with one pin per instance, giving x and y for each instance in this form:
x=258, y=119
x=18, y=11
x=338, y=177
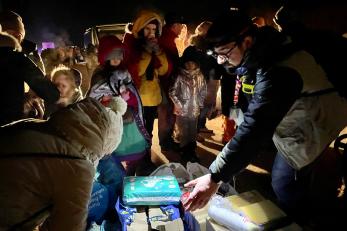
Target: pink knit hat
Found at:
x=110, y=47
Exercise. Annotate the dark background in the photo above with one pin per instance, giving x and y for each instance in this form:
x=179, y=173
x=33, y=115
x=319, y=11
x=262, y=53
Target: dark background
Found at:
x=65, y=21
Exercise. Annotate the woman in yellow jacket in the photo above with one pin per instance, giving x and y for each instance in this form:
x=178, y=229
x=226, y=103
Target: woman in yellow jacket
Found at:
x=147, y=62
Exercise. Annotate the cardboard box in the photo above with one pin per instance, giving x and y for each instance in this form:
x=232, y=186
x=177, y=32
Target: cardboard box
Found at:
x=253, y=206
x=158, y=220
x=200, y=216
x=266, y=214
x=175, y=225
x=237, y=201
x=263, y=212
x=140, y=222
x=211, y=225
x=245, y=198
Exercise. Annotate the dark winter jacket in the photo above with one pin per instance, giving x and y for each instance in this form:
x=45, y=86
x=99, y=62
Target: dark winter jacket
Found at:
x=30, y=49
x=15, y=69
x=277, y=109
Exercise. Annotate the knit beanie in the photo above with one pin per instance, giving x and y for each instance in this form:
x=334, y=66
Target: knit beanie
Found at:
x=229, y=26
x=190, y=54
x=110, y=47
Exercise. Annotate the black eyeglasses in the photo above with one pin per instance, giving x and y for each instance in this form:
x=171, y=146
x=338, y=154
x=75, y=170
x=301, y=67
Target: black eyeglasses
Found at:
x=228, y=51
x=221, y=57
x=224, y=57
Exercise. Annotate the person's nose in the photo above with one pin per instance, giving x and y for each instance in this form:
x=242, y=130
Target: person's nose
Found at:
x=221, y=59
x=60, y=88
x=152, y=34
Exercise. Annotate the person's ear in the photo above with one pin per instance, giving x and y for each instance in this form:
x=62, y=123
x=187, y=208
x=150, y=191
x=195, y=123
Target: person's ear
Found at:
x=248, y=42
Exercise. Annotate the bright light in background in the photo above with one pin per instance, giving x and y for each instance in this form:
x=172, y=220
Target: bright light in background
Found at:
x=46, y=45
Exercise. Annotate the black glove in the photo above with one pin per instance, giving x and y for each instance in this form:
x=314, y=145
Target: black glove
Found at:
x=152, y=47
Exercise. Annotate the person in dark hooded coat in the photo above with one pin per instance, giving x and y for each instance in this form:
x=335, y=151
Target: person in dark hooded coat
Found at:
x=16, y=68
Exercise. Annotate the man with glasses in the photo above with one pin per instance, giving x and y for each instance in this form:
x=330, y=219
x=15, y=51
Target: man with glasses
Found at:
x=289, y=105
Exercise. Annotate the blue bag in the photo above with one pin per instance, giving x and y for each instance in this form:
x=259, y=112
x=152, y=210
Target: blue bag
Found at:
x=125, y=213
x=110, y=171
x=98, y=203
x=110, y=174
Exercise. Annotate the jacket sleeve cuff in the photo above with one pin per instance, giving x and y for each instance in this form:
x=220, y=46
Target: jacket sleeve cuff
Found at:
x=215, y=177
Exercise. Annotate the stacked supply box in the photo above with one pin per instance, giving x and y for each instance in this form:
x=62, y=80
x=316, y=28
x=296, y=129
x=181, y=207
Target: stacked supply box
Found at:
x=151, y=190
x=154, y=200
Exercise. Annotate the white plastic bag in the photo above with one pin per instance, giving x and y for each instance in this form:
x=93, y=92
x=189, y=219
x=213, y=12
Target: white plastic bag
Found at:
x=221, y=211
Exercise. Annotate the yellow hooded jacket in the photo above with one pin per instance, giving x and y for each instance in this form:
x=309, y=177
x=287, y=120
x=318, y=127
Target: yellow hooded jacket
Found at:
x=150, y=89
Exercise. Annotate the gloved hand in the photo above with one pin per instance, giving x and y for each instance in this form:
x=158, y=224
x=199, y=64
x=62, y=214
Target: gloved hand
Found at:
x=152, y=46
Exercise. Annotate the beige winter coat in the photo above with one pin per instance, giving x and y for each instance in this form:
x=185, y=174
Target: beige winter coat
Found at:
x=313, y=122
x=46, y=166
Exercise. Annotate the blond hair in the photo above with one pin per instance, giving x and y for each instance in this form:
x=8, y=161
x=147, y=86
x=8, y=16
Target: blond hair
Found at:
x=75, y=91
x=63, y=70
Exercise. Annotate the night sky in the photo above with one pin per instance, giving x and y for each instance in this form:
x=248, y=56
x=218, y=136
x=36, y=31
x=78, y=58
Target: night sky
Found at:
x=66, y=21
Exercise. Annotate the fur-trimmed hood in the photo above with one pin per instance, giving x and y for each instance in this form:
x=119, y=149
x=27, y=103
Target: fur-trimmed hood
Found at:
x=143, y=19
x=85, y=130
